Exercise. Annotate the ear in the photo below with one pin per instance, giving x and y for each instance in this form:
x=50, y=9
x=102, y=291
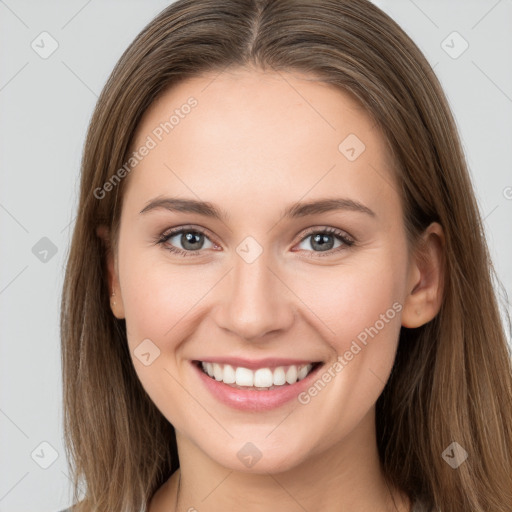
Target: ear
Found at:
x=425, y=280
x=116, y=299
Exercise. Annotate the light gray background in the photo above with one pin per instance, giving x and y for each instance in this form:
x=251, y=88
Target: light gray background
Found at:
x=45, y=108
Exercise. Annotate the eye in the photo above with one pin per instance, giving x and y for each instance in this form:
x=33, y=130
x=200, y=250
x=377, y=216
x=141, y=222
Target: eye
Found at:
x=191, y=241
x=324, y=240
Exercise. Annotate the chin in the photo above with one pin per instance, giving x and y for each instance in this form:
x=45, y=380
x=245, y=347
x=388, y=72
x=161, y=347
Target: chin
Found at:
x=258, y=456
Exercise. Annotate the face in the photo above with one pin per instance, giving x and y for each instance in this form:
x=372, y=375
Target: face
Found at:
x=271, y=287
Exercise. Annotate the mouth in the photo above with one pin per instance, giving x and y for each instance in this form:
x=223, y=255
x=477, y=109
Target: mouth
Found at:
x=259, y=379
x=265, y=385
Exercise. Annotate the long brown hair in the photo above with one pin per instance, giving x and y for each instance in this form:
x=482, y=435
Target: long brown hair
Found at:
x=452, y=378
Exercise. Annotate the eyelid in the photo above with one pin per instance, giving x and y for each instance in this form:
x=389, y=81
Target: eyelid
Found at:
x=178, y=229
x=327, y=229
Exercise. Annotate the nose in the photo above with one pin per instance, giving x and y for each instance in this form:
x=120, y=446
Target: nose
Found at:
x=254, y=301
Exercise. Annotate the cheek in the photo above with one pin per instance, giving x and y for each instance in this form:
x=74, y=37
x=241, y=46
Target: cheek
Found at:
x=357, y=307
x=348, y=300
x=158, y=297
x=162, y=307
x=158, y=306
x=359, y=312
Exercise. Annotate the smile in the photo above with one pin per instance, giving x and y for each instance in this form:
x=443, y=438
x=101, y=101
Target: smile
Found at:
x=260, y=379
x=266, y=385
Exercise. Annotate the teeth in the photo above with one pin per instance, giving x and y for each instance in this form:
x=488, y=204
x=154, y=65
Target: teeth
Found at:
x=229, y=375
x=217, y=371
x=244, y=377
x=291, y=375
x=302, y=372
x=262, y=378
x=279, y=376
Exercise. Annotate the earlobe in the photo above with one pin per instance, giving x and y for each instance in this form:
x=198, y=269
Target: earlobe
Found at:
x=116, y=303
x=425, y=284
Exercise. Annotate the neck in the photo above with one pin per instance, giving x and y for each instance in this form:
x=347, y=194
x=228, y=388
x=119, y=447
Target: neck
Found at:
x=347, y=477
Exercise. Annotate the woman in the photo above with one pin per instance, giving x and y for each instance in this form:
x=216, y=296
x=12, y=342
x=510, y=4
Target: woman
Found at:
x=278, y=294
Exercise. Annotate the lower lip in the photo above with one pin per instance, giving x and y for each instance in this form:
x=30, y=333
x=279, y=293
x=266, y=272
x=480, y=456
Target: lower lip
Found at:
x=251, y=399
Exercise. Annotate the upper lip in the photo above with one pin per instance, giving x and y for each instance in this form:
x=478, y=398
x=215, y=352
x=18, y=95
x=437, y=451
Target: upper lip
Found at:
x=254, y=364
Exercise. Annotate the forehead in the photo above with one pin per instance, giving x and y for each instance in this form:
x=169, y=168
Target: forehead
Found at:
x=257, y=135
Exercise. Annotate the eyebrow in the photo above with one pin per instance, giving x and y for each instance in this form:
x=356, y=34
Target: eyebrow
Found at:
x=295, y=210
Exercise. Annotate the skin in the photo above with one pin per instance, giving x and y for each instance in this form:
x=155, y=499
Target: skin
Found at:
x=255, y=143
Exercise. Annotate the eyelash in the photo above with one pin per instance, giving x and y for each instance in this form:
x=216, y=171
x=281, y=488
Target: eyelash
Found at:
x=347, y=241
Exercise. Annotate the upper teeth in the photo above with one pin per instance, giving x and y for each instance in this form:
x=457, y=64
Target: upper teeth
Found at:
x=260, y=378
